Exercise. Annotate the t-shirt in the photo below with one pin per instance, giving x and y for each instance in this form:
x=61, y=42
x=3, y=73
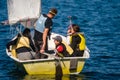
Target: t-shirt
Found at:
x=48, y=24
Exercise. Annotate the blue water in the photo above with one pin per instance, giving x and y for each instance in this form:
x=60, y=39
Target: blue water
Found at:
x=98, y=19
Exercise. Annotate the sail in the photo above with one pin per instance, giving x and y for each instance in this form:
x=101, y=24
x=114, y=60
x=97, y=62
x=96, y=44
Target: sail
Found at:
x=21, y=10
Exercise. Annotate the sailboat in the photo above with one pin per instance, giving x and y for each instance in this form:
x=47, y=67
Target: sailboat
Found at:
x=26, y=12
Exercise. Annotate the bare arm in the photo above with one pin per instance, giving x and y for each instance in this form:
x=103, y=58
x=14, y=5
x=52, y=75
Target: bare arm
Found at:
x=34, y=25
x=45, y=33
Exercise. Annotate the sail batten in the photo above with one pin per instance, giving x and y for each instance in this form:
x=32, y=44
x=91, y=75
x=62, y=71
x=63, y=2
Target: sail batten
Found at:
x=19, y=10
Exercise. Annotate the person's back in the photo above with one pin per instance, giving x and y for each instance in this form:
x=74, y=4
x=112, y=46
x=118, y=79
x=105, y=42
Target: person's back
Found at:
x=23, y=48
x=64, y=51
x=23, y=44
x=68, y=48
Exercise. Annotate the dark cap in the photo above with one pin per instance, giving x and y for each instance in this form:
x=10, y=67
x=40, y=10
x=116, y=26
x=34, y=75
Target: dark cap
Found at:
x=53, y=11
x=58, y=38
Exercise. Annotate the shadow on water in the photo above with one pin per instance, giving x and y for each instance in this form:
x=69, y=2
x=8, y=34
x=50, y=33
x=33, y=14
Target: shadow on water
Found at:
x=21, y=76
x=58, y=76
x=15, y=74
x=53, y=77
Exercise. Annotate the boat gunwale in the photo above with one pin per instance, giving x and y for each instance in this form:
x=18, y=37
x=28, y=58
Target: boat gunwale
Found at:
x=52, y=58
x=43, y=60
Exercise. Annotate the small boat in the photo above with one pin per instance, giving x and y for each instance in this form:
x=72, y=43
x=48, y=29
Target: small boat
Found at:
x=68, y=65
x=27, y=15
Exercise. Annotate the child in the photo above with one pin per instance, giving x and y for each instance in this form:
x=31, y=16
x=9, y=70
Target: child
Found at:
x=60, y=47
x=77, y=40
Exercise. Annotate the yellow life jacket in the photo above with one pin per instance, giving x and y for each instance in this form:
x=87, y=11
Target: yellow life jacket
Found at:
x=68, y=48
x=82, y=44
x=23, y=41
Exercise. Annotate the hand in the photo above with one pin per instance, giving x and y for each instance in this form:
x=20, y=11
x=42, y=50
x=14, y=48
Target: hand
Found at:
x=69, y=31
x=42, y=51
x=55, y=51
x=37, y=52
x=9, y=50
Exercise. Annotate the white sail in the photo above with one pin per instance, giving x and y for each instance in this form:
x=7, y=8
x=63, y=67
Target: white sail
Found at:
x=19, y=10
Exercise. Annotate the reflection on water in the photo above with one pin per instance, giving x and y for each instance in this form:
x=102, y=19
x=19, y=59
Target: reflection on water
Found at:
x=53, y=77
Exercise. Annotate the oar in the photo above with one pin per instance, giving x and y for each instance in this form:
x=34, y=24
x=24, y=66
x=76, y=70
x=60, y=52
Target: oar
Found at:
x=50, y=55
x=62, y=58
x=55, y=57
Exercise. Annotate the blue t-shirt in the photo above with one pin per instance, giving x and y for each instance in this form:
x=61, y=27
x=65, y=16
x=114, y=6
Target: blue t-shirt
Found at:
x=48, y=24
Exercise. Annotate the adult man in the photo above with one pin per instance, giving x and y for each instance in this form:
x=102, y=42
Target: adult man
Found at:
x=42, y=30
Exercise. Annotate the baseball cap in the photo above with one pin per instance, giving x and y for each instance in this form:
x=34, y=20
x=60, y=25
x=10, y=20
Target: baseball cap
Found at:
x=58, y=38
x=53, y=11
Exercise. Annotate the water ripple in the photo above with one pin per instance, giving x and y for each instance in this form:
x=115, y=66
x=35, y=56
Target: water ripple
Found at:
x=98, y=19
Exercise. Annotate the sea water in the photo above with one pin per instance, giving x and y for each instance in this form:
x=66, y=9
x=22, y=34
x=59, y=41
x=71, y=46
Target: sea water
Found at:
x=98, y=19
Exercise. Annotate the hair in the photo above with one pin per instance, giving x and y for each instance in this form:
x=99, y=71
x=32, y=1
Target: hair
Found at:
x=53, y=11
x=26, y=32
x=75, y=27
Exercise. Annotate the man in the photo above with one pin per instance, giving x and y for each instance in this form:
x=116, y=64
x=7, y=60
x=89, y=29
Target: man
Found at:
x=42, y=30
